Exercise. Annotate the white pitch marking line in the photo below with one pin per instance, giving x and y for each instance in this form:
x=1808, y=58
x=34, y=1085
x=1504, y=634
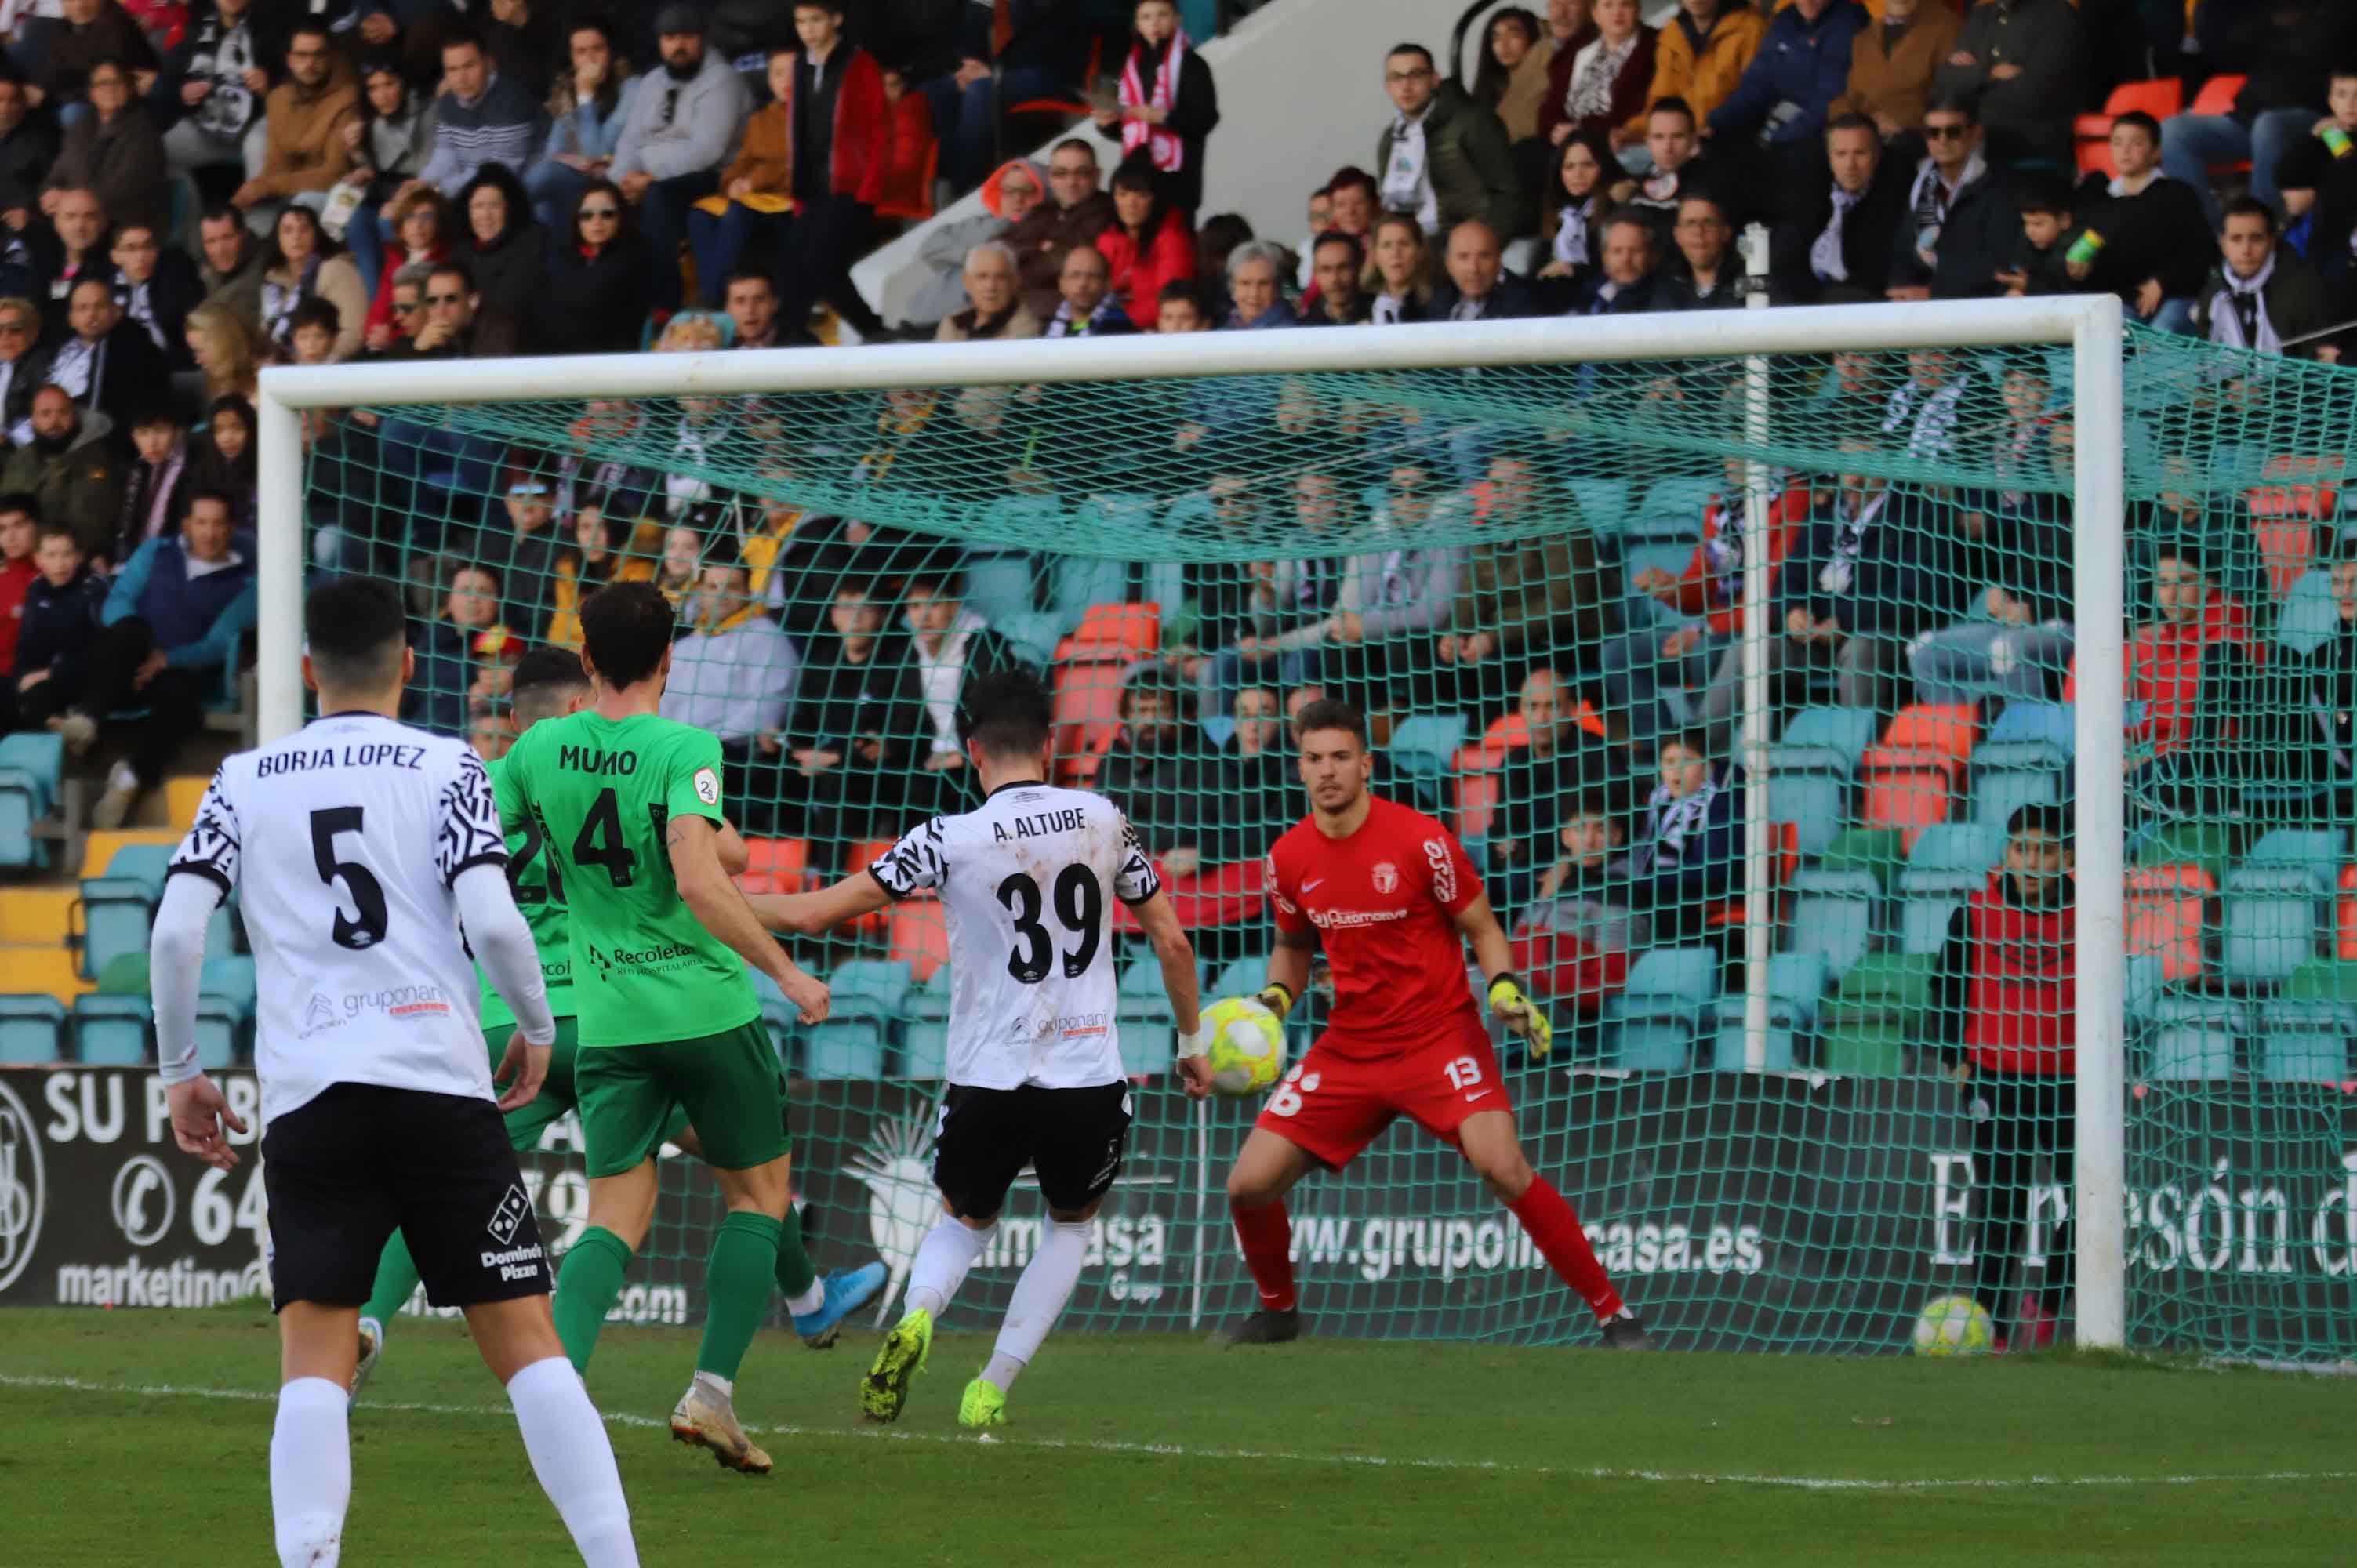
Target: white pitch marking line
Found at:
x=1179, y=1451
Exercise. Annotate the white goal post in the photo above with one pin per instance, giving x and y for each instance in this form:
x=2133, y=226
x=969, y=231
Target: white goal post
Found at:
x=2090, y=325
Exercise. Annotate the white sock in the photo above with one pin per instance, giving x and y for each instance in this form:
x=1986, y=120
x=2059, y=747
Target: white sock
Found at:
x=310, y=1472
x=948, y=1251
x=810, y=1300
x=725, y=1387
x=1040, y=1296
x=574, y=1460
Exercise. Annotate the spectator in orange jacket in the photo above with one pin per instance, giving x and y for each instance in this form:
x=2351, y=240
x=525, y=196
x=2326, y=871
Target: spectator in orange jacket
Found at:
x=1147, y=245
x=1700, y=57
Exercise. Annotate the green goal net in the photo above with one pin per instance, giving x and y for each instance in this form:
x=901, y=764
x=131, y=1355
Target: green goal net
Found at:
x=1813, y=997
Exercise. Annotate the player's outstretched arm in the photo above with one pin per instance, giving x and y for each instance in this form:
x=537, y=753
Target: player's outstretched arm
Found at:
x=176, y=954
x=720, y=907
x=814, y=914
x=1180, y=983
x=1478, y=924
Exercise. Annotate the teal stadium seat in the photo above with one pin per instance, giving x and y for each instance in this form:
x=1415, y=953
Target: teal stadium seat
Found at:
x=32, y=1031
x=31, y=769
x=1811, y=769
x=2191, y=1039
x=925, y=1028
x=2305, y=1042
x=1655, y=1021
x=1835, y=916
x=114, y=1031
x=119, y=905
x=857, y=1036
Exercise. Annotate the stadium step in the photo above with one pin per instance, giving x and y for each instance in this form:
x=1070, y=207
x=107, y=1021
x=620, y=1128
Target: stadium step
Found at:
x=35, y=917
x=182, y=794
x=100, y=847
x=41, y=970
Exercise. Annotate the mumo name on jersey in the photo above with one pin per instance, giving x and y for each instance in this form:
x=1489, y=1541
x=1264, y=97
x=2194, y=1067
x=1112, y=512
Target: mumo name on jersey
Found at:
x=375, y=753
x=1067, y=821
x=592, y=759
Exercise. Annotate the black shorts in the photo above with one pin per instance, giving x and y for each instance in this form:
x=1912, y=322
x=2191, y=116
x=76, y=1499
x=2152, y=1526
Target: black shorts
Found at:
x=342, y=1171
x=1071, y=1138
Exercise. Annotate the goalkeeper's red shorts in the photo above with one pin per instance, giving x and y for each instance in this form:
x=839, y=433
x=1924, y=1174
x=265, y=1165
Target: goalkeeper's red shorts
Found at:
x=1335, y=1105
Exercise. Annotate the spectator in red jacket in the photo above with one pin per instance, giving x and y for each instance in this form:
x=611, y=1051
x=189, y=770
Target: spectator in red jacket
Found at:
x=2198, y=642
x=841, y=153
x=1147, y=246
x=908, y=163
x=2005, y=1006
x=17, y=525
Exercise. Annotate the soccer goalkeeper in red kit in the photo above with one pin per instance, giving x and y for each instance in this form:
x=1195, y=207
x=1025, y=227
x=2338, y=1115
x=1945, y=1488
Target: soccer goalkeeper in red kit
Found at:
x=1395, y=899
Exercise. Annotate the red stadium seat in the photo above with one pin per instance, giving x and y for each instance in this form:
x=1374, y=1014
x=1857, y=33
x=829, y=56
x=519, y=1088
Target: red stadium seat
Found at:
x=1121, y=632
x=863, y=853
x=918, y=935
x=2160, y=98
x=1783, y=860
x=2217, y=97
x=1951, y=729
x=2165, y=906
x=2287, y=548
x=2344, y=917
x=1908, y=789
x=1087, y=715
x=777, y=865
x=1474, y=793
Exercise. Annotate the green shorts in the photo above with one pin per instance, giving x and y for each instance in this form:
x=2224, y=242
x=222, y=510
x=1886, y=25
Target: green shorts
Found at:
x=557, y=1093
x=728, y=1085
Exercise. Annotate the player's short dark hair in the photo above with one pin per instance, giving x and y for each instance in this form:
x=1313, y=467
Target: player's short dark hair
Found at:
x=752, y=274
x=354, y=629
x=57, y=531
x=2141, y=121
x=1330, y=713
x=1696, y=741
x=542, y=680
x=1006, y=713
x=626, y=630
x=2043, y=190
x=2045, y=818
x=316, y=310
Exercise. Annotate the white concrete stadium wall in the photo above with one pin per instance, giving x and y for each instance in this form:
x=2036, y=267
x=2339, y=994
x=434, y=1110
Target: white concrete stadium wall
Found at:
x=1301, y=94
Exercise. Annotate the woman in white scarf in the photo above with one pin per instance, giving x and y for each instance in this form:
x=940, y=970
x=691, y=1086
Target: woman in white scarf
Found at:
x=1582, y=170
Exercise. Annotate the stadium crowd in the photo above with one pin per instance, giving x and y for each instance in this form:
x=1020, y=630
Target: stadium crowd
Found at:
x=418, y=181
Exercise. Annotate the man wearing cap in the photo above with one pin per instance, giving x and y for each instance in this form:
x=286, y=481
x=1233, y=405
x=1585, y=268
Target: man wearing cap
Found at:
x=682, y=125
x=525, y=555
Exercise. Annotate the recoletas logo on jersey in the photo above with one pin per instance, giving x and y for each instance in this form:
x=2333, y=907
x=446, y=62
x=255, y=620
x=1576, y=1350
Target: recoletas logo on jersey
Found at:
x=1386, y=876
x=707, y=786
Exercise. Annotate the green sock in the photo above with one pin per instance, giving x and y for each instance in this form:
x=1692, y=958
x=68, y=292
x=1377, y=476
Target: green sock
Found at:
x=795, y=1274
x=585, y=1288
x=738, y=1279
x=396, y=1282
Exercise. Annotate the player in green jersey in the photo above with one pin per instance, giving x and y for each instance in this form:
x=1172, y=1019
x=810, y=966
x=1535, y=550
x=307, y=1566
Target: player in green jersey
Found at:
x=627, y=809
x=548, y=683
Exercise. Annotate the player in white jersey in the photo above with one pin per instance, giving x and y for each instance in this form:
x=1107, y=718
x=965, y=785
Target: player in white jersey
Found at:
x=362, y=846
x=1027, y=881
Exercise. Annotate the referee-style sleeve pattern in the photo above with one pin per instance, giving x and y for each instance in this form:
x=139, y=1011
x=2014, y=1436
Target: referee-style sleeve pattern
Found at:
x=211, y=849
x=1135, y=881
x=469, y=831
x=914, y=864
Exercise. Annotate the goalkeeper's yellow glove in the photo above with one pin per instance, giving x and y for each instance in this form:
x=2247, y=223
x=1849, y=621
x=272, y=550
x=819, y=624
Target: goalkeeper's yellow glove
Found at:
x=1275, y=998
x=1520, y=1015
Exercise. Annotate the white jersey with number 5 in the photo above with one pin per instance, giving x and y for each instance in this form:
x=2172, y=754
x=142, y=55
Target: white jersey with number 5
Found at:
x=1027, y=881
x=346, y=837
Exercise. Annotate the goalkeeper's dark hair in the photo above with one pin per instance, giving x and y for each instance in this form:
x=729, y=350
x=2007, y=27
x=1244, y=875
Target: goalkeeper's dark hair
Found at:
x=626, y=630
x=1007, y=713
x=1330, y=713
x=354, y=630
x=543, y=680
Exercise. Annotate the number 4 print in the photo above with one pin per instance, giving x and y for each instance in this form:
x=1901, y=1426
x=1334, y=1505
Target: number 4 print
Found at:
x=1464, y=1072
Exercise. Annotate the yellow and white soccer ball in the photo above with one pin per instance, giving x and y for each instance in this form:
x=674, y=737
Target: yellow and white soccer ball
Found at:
x=1953, y=1326
x=1245, y=1043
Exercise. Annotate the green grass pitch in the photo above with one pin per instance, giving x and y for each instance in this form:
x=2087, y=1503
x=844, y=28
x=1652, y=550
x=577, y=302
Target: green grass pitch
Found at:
x=144, y=1438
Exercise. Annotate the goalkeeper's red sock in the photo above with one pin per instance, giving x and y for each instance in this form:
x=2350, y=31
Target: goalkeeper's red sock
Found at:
x=1266, y=1235
x=1554, y=1229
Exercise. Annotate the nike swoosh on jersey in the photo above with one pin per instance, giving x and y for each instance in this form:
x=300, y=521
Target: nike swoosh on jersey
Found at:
x=1484, y=1092
x=1307, y=885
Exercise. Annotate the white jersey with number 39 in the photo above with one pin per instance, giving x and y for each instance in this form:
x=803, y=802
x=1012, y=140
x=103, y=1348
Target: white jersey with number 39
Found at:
x=1027, y=881
x=346, y=837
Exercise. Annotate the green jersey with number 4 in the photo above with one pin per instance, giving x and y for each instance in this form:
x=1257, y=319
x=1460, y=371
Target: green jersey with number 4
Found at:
x=540, y=893
x=598, y=795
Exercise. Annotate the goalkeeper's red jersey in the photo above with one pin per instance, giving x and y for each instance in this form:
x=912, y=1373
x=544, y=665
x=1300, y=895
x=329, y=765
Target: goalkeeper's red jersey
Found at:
x=1381, y=901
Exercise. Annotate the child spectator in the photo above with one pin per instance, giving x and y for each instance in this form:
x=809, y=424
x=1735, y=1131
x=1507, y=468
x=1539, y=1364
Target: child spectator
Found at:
x=226, y=463
x=1574, y=943
x=838, y=153
x=2040, y=261
x=17, y=573
x=2144, y=231
x=2318, y=176
x=1179, y=308
x=1685, y=861
x=314, y=330
x=60, y=625
x=2004, y=1011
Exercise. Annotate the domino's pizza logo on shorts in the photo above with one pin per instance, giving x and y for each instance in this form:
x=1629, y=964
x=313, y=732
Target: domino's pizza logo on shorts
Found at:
x=510, y=1215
